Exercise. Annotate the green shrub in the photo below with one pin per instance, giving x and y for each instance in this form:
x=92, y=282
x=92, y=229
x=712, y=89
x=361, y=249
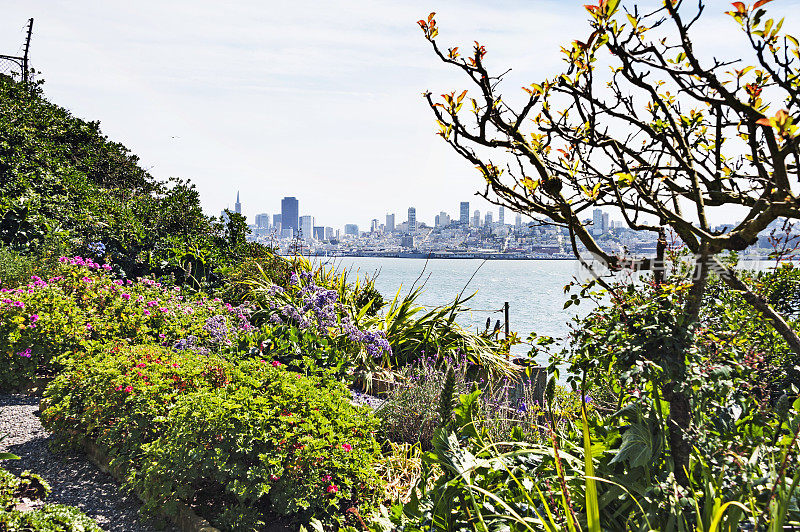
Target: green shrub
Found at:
x=48, y=518
x=82, y=309
x=247, y=443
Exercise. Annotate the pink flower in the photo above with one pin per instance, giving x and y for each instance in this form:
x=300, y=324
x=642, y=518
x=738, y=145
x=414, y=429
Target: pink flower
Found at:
x=141, y=365
x=26, y=353
x=347, y=447
x=126, y=296
x=275, y=364
x=274, y=477
x=146, y=312
x=107, y=267
x=333, y=488
x=326, y=478
x=88, y=326
x=34, y=318
x=86, y=279
x=129, y=388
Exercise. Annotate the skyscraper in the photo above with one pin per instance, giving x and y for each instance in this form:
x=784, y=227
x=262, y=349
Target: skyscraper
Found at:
x=464, y=213
x=276, y=219
x=319, y=233
x=488, y=220
x=476, y=218
x=606, y=226
x=238, y=206
x=373, y=225
x=290, y=210
x=389, y=223
x=501, y=219
x=412, y=219
x=518, y=220
x=597, y=222
x=307, y=227
x=351, y=229
x=262, y=220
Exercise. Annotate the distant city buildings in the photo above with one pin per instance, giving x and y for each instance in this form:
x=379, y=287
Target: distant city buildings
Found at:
x=262, y=220
x=464, y=236
x=306, y=227
x=290, y=213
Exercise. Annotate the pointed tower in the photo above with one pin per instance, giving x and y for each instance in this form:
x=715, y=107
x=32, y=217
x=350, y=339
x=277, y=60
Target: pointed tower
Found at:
x=238, y=206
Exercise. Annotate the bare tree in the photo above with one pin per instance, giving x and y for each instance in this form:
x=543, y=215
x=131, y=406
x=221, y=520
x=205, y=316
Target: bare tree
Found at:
x=663, y=136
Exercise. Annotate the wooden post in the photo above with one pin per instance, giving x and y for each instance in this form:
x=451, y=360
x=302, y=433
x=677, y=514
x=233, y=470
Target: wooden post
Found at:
x=505, y=311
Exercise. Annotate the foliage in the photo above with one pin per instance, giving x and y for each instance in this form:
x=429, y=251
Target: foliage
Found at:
x=82, y=308
x=413, y=409
x=246, y=442
x=47, y=518
x=412, y=331
x=65, y=188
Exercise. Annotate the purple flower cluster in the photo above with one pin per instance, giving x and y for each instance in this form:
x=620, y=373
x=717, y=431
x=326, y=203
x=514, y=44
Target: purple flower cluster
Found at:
x=217, y=328
x=309, y=305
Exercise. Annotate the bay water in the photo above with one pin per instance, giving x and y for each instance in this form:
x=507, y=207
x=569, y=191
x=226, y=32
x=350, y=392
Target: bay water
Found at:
x=534, y=289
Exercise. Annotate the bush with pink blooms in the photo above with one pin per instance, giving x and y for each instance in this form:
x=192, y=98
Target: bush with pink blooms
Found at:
x=82, y=308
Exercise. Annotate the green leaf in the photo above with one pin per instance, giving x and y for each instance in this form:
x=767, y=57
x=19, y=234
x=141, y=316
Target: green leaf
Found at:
x=637, y=446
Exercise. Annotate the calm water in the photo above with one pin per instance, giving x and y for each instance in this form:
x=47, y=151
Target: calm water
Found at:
x=534, y=289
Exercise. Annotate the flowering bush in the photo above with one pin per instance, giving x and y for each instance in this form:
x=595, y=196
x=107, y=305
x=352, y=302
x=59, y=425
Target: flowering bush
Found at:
x=247, y=443
x=83, y=307
x=313, y=308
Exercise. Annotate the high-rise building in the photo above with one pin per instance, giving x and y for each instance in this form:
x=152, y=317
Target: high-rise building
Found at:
x=476, y=218
x=262, y=220
x=306, y=227
x=276, y=219
x=389, y=223
x=597, y=222
x=501, y=219
x=606, y=225
x=290, y=211
x=351, y=229
x=442, y=219
x=319, y=233
x=464, y=213
x=488, y=220
x=374, y=225
x=329, y=234
x=518, y=221
x=238, y=206
x=412, y=219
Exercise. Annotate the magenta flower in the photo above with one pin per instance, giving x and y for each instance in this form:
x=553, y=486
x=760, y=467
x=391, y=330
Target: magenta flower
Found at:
x=347, y=447
x=275, y=364
x=129, y=388
x=26, y=353
x=34, y=318
x=333, y=488
x=126, y=297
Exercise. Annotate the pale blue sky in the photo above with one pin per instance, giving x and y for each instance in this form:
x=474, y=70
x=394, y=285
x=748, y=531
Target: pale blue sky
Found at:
x=318, y=100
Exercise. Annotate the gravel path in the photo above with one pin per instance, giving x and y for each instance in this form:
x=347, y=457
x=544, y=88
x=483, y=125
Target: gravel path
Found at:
x=74, y=479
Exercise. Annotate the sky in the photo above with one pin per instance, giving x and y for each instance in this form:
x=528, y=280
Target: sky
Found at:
x=320, y=100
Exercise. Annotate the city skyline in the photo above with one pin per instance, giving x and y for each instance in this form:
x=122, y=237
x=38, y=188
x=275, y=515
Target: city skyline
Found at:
x=234, y=96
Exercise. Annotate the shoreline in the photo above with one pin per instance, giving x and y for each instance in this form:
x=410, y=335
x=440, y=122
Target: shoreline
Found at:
x=471, y=256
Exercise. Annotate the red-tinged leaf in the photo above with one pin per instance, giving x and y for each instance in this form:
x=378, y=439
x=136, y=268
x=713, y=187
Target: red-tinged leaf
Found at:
x=760, y=3
x=763, y=122
x=422, y=24
x=740, y=7
x=461, y=96
x=430, y=17
x=590, y=9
